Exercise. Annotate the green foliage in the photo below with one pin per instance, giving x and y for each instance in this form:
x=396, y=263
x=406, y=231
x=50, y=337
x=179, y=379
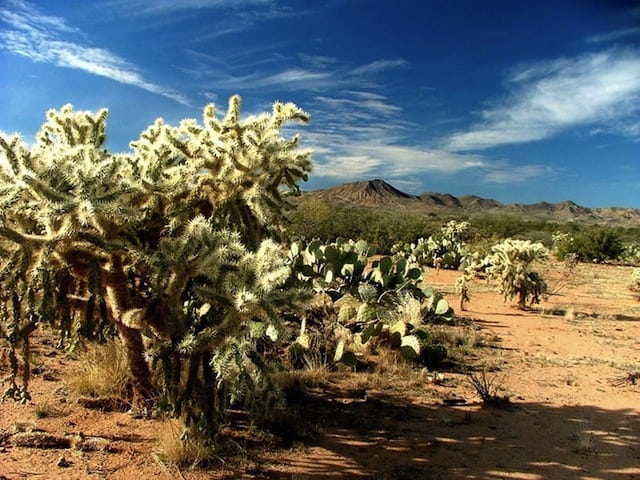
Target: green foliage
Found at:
x=372, y=301
x=327, y=221
x=332, y=267
x=170, y=242
x=511, y=264
x=495, y=228
x=598, y=244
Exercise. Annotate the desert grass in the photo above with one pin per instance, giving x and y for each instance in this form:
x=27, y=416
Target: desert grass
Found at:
x=102, y=371
x=182, y=448
x=585, y=440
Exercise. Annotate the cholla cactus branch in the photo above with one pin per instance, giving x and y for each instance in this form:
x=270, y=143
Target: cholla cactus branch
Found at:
x=171, y=239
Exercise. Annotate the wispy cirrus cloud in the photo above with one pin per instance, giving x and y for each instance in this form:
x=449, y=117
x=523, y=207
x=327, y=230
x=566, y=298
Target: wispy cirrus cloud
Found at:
x=379, y=66
x=614, y=35
x=307, y=72
x=510, y=174
x=293, y=78
x=43, y=39
x=164, y=7
x=597, y=89
x=236, y=16
x=365, y=160
x=362, y=135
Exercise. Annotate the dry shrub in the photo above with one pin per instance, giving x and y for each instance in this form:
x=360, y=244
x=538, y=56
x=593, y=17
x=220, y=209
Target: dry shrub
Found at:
x=182, y=448
x=102, y=371
x=391, y=363
x=488, y=389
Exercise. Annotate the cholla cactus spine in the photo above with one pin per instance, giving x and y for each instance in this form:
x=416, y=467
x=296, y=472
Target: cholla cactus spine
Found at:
x=176, y=235
x=511, y=263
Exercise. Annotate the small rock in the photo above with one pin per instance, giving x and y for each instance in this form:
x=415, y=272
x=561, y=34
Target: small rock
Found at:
x=63, y=462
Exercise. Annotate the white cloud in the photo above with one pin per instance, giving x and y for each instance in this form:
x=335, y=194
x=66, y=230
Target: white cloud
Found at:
x=614, y=35
x=164, y=7
x=291, y=78
x=379, y=66
x=347, y=156
x=549, y=97
x=515, y=174
x=38, y=37
x=347, y=167
x=361, y=134
x=370, y=103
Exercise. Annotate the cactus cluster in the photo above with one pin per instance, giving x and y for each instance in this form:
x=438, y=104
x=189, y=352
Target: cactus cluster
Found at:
x=446, y=250
x=370, y=296
x=337, y=266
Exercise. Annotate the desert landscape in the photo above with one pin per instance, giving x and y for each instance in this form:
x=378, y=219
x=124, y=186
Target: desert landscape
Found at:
x=565, y=377
x=206, y=274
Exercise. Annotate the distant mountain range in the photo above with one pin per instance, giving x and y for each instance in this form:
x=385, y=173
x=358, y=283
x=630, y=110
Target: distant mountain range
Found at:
x=380, y=194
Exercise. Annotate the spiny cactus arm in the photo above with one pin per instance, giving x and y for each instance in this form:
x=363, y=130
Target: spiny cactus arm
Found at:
x=13, y=149
x=24, y=239
x=71, y=128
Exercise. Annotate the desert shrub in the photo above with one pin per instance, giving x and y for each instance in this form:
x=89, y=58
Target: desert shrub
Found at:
x=511, y=264
x=598, y=244
x=180, y=448
x=498, y=227
x=631, y=254
x=315, y=218
x=102, y=371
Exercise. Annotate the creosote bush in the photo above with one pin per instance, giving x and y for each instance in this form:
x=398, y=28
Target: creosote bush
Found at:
x=597, y=244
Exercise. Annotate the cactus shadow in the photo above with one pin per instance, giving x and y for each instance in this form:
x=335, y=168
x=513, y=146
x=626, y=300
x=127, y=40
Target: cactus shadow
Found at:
x=378, y=436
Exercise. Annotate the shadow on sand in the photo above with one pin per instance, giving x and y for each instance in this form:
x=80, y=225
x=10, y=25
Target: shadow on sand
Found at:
x=379, y=437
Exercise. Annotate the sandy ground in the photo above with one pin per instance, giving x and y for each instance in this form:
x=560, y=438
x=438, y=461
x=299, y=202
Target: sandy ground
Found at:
x=571, y=414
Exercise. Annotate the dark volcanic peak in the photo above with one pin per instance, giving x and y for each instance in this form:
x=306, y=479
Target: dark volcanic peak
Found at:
x=380, y=187
x=377, y=192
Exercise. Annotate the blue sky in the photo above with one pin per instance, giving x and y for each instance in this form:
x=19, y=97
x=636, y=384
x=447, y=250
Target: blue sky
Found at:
x=521, y=101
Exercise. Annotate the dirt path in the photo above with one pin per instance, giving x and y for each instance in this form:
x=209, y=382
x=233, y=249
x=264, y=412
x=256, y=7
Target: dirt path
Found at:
x=558, y=365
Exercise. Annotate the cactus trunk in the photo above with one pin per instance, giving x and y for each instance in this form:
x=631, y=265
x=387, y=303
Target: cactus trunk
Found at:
x=119, y=301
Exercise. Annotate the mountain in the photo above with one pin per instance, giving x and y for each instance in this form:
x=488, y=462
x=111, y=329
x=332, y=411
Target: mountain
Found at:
x=473, y=202
x=367, y=193
x=440, y=200
x=380, y=194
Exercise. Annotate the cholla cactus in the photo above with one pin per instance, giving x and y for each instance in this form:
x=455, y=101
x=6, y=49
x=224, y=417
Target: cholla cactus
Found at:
x=462, y=290
x=172, y=240
x=446, y=250
x=511, y=263
x=635, y=280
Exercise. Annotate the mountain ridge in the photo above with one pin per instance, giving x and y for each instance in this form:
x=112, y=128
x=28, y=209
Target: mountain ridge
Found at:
x=378, y=193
